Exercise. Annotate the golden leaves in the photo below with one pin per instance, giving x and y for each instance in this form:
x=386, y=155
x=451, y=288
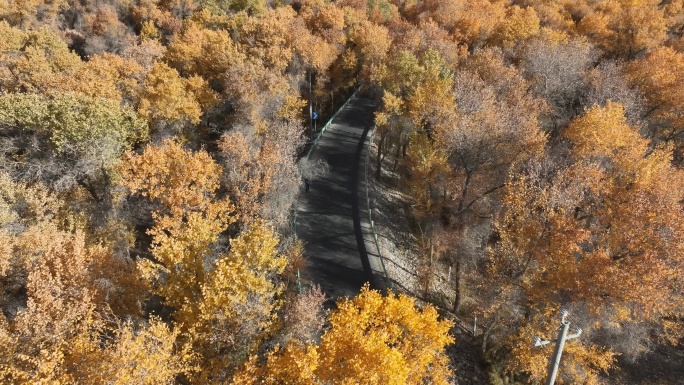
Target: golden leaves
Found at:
x=267, y=38
x=521, y=24
x=37, y=61
x=291, y=110
x=224, y=301
x=598, y=233
x=382, y=340
x=428, y=166
x=419, y=88
x=54, y=336
x=253, y=258
x=141, y=355
x=625, y=28
x=603, y=132
x=408, y=342
x=188, y=221
x=582, y=362
x=165, y=96
x=180, y=180
x=656, y=75
x=372, y=43
x=106, y=76
x=204, y=52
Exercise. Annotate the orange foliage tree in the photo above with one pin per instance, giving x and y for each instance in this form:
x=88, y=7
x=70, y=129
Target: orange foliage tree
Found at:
x=656, y=77
x=626, y=29
x=595, y=237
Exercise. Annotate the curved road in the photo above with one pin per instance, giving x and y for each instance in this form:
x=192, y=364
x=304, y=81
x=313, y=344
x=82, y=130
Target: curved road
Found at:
x=332, y=218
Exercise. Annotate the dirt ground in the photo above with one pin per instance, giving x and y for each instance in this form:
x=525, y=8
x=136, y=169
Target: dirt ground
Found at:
x=662, y=366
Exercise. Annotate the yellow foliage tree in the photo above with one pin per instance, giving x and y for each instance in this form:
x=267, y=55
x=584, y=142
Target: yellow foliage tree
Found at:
x=53, y=335
x=428, y=169
x=431, y=104
x=223, y=301
x=372, y=340
x=198, y=51
x=581, y=362
x=188, y=220
x=371, y=44
x=167, y=97
x=470, y=21
x=267, y=38
x=603, y=132
x=30, y=13
x=238, y=302
x=34, y=61
x=106, y=76
x=520, y=24
x=146, y=355
x=325, y=20
x=423, y=102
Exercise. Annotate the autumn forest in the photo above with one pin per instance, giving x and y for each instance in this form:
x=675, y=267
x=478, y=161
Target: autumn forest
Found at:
x=152, y=154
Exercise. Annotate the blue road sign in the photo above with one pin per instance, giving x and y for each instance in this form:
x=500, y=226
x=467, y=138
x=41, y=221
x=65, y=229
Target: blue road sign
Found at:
x=314, y=115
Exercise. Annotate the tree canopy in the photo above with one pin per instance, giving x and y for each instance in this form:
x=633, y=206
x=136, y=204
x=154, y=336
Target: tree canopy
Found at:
x=151, y=158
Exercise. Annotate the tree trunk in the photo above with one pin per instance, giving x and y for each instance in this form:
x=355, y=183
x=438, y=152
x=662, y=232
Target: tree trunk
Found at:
x=381, y=144
x=464, y=191
x=457, y=287
x=426, y=268
x=485, y=336
x=396, y=158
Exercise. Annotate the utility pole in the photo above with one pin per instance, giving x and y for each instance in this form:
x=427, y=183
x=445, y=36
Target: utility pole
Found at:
x=560, y=342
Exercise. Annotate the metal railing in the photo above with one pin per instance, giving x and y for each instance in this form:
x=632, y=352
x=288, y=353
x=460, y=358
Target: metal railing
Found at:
x=325, y=127
x=370, y=212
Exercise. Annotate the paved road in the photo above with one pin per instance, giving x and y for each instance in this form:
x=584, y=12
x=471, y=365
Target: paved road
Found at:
x=332, y=218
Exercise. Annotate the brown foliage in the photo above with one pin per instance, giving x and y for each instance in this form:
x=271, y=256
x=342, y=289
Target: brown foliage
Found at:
x=303, y=317
x=261, y=172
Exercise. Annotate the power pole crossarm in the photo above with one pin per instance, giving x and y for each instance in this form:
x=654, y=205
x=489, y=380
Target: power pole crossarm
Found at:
x=563, y=336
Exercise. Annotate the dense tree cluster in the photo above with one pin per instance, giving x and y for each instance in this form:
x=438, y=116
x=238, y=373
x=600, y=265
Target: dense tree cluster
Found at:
x=541, y=144
x=149, y=167
x=150, y=163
